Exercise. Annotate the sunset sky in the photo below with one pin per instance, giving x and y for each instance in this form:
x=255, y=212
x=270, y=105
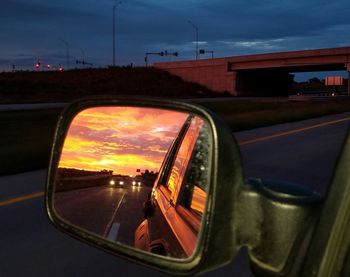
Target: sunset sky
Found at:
x=121, y=139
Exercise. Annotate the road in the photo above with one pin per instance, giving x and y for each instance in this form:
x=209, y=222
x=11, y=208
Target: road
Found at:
x=108, y=211
x=34, y=106
x=303, y=152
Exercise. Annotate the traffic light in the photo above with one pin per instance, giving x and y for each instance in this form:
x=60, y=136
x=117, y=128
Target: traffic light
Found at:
x=201, y=51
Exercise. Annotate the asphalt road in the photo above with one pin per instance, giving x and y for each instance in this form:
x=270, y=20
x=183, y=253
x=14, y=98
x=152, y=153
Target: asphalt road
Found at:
x=108, y=211
x=303, y=152
x=34, y=106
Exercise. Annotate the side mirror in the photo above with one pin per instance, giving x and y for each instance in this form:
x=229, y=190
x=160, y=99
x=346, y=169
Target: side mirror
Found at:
x=139, y=179
x=160, y=183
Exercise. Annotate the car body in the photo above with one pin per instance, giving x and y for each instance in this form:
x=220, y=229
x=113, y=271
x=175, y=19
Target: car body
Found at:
x=175, y=206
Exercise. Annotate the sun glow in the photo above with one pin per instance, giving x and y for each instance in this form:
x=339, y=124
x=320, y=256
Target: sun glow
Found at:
x=122, y=139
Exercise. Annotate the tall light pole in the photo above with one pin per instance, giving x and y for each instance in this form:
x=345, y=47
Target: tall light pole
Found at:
x=114, y=7
x=196, y=28
x=83, y=53
x=67, y=51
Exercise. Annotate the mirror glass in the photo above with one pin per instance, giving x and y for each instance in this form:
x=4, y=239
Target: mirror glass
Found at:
x=136, y=176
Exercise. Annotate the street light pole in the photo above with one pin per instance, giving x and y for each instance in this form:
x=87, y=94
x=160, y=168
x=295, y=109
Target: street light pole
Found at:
x=196, y=28
x=67, y=51
x=83, y=53
x=114, y=7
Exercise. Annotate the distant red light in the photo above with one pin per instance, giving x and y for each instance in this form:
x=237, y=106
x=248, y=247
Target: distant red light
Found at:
x=37, y=65
x=48, y=66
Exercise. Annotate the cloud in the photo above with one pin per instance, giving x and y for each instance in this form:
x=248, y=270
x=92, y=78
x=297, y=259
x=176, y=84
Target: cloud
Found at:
x=120, y=138
x=34, y=27
x=262, y=44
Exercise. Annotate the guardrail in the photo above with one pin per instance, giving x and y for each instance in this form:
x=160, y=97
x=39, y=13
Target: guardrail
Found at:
x=312, y=97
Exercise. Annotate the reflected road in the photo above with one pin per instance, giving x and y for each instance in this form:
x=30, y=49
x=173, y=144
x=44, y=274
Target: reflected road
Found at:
x=110, y=212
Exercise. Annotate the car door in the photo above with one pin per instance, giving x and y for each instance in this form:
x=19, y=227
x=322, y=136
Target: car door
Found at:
x=180, y=203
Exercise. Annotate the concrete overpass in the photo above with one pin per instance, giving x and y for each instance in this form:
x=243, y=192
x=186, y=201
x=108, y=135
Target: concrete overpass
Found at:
x=258, y=75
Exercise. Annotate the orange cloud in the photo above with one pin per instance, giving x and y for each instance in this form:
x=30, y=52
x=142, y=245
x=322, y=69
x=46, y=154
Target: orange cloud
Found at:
x=121, y=139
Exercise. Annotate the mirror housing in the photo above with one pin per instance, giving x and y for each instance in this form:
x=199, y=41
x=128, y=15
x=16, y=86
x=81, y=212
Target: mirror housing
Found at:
x=268, y=218
x=217, y=244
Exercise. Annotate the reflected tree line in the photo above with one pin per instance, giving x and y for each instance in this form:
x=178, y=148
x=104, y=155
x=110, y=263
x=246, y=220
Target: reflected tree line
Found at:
x=72, y=178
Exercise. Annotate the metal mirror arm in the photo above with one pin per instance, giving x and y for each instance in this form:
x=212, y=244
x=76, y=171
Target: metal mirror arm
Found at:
x=275, y=221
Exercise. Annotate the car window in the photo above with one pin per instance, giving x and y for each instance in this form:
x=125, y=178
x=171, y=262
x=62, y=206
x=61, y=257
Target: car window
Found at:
x=182, y=159
x=169, y=157
x=195, y=184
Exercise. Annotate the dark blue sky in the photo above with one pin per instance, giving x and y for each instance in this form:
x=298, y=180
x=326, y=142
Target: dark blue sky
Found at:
x=33, y=29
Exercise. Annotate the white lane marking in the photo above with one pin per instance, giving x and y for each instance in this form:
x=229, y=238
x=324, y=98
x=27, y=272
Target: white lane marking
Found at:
x=113, y=232
x=110, y=223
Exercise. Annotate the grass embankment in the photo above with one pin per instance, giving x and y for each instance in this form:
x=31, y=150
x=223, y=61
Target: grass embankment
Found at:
x=26, y=139
x=245, y=115
x=28, y=87
x=27, y=135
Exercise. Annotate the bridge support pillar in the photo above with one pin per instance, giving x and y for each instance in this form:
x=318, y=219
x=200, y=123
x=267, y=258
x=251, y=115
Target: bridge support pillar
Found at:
x=234, y=91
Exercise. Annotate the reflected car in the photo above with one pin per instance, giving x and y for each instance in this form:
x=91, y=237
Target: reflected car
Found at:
x=175, y=206
x=136, y=183
x=116, y=182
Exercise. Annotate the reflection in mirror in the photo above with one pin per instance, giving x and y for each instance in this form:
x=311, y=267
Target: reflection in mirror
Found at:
x=136, y=176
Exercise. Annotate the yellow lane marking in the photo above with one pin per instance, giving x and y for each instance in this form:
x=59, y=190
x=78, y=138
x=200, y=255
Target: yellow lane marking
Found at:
x=22, y=198
x=245, y=142
x=41, y=193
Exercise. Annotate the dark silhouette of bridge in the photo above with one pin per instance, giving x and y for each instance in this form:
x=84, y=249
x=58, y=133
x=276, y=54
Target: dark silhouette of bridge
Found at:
x=259, y=75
